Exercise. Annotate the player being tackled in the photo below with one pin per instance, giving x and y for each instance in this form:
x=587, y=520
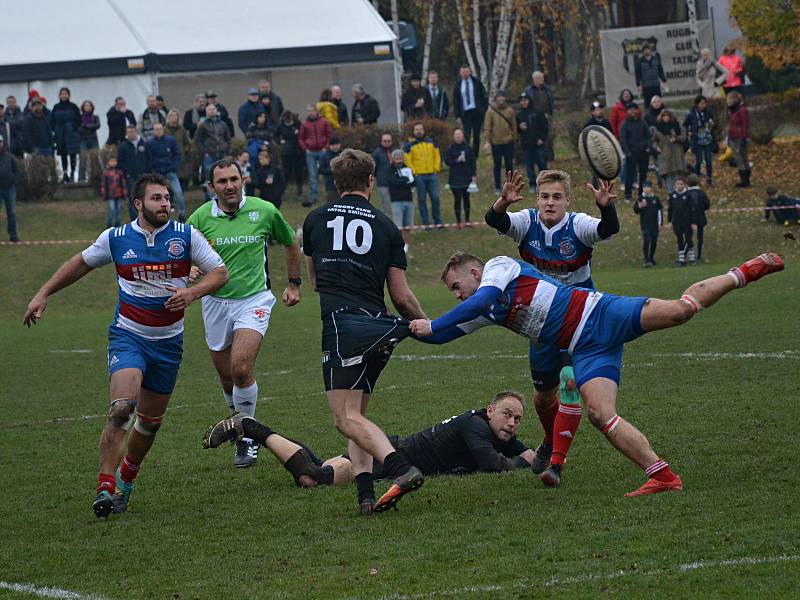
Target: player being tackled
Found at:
x=591, y=325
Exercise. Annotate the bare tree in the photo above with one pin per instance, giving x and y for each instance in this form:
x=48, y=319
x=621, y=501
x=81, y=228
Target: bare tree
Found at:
x=426, y=52
x=464, y=38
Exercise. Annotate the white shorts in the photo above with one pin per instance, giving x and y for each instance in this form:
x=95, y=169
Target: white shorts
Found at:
x=223, y=316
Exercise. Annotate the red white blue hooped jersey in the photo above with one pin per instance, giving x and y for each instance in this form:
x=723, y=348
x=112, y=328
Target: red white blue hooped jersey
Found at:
x=563, y=252
x=146, y=264
x=534, y=305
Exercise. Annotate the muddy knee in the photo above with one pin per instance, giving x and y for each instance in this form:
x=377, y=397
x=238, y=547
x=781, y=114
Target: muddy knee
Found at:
x=121, y=413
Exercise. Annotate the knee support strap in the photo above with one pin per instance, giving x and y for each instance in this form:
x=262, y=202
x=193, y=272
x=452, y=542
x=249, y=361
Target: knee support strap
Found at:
x=610, y=425
x=301, y=464
x=121, y=412
x=147, y=425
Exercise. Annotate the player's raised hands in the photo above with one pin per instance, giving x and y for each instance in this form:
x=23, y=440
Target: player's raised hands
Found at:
x=420, y=327
x=604, y=193
x=512, y=188
x=180, y=299
x=34, y=311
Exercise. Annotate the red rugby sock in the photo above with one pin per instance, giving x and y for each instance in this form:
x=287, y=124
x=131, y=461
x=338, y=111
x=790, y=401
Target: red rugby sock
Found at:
x=564, y=429
x=106, y=483
x=660, y=470
x=128, y=470
x=547, y=416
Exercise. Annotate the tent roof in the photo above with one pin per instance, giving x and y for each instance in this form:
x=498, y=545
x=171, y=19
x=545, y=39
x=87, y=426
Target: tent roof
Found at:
x=185, y=35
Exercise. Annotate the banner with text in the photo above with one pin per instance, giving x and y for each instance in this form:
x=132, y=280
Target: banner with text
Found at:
x=622, y=48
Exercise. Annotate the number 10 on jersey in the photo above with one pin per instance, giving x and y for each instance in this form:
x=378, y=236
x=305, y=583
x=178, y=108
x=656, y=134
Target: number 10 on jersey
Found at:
x=350, y=235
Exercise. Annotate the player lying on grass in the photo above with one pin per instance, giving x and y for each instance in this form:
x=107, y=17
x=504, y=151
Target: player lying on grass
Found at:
x=152, y=256
x=560, y=244
x=591, y=325
x=477, y=440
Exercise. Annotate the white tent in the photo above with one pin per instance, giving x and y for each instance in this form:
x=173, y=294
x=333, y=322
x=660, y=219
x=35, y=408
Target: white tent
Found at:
x=101, y=49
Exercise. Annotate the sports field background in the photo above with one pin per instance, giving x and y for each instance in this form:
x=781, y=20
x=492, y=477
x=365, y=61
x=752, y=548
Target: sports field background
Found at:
x=717, y=398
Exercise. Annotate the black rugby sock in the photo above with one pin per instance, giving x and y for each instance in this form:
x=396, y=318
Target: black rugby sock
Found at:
x=395, y=464
x=365, y=487
x=256, y=431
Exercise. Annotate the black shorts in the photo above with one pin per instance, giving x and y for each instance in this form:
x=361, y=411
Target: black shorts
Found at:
x=356, y=345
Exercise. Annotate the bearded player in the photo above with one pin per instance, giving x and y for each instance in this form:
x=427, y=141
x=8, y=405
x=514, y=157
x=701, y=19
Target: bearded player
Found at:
x=592, y=326
x=152, y=256
x=559, y=244
x=236, y=317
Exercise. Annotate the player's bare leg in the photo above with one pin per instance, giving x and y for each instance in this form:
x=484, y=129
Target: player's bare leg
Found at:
x=149, y=415
x=662, y=314
x=125, y=385
x=600, y=396
x=236, y=366
x=366, y=438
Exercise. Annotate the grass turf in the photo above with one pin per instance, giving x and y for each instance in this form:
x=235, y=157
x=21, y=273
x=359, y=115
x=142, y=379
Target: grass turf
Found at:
x=716, y=399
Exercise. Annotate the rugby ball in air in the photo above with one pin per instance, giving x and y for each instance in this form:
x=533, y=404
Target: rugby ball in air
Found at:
x=600, y=151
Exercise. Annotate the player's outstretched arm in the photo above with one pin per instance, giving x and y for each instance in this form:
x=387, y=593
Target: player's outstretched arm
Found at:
x=497, y=215
x=402, y=297
x=67, y=274
x=604, y=196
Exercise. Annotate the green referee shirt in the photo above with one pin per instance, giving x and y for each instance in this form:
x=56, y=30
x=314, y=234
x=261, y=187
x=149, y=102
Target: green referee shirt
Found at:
x=241, y=241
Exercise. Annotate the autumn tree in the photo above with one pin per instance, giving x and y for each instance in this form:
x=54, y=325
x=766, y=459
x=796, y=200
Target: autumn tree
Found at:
x=771, y=30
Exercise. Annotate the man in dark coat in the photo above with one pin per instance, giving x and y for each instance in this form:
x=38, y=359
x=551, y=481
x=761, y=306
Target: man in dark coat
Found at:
x=132, y=160
x=365, y=108
x=440, y=104
x=119, y=118
x=8, y=189
x=275, y=101
x=533, y=129
x=193, y=116
x=341, y=107
x=635, y=142
x=14, y=117
x=470, y=105
x=249, y=110
x=542, y=100
x=416, y=102
x=37, y=130
x=649, y=74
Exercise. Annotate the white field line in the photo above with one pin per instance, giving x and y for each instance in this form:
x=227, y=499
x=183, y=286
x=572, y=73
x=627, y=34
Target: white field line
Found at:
x=562, y=581
x=782, y=355
x=47, y=592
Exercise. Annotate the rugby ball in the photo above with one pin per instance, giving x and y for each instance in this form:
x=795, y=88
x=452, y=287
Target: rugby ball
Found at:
x=600, y=151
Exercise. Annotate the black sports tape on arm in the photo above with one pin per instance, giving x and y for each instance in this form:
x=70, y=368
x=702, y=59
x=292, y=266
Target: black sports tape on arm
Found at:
x=609, y=221
x=501, y=222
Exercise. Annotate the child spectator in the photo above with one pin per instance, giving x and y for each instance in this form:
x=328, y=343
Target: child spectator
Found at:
x=113, y=189
x=334, y=150
x=268, y=181
x=651, y=214
x=782, y=207
x=247, y=176
x=680, y=216
x=401, y=181
x=698, y=204
x=461, y=160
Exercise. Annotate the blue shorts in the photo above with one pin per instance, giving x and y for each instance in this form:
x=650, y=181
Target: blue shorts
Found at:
x=615, y=321
x=158, y=360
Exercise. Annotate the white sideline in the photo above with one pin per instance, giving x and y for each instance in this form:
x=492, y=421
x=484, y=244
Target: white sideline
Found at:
x=47, y=592
x=558, y=581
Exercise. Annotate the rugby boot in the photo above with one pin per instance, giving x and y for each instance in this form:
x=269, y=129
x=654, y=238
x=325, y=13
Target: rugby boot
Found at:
x=367, y=507
x=407, y=482
x=122, y=495
x=542, y=458
x=103, y=504
x=246, y=453
x=654, y=486
x=227, y=430
x=758, y=267
x=551, y=476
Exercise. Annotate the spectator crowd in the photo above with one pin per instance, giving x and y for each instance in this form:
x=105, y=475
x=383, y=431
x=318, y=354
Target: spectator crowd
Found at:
x=283, y=150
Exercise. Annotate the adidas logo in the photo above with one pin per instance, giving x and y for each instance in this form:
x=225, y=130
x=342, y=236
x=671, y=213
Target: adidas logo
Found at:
x=114, y=360
x=565, y=434
x=130, y=254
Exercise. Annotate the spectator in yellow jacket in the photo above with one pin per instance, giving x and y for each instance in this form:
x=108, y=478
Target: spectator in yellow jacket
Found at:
x=500, y=132
x=422, y=155
x=327, y=109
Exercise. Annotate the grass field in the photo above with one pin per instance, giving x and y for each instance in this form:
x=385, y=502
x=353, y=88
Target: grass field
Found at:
x=717, y=399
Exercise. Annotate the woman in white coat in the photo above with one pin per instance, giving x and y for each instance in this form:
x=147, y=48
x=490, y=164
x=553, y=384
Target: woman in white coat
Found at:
x=709, y=74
